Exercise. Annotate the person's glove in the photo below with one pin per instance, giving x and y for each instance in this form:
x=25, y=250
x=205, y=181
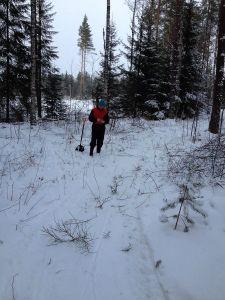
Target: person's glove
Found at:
x=100, y=121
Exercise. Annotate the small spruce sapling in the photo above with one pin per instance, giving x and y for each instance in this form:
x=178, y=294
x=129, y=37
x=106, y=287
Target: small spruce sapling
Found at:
x=115, y=184
x=185, y=201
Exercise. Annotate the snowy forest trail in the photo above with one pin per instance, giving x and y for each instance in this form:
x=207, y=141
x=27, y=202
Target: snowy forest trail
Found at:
x=121, y=192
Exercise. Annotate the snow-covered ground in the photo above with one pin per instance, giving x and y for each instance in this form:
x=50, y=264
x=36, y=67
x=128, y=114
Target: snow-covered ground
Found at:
x=134, y=256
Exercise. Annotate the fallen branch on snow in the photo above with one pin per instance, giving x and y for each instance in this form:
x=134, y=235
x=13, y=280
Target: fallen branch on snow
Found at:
x=70, y=231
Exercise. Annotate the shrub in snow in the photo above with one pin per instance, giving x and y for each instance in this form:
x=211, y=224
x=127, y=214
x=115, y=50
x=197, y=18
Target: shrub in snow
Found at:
x=204, y=164
x=207, y=161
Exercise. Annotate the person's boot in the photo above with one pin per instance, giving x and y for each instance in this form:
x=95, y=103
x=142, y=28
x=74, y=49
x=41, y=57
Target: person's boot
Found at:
x=91, y=151
x=98, y=149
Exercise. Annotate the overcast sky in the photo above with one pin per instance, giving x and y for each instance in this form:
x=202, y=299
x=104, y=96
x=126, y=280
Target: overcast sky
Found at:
x=68, y=18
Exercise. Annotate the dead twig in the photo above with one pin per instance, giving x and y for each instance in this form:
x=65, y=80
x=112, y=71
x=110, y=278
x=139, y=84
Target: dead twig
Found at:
x=70, y=231
x=13, y=290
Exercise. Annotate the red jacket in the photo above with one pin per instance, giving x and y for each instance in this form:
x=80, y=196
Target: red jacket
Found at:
x=99, y=114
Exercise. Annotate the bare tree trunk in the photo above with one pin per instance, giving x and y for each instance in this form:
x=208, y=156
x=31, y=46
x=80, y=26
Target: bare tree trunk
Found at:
x=39, y=58
x=7, y=62
x=85, y=57
x=218, y=84
x=135, y=104
x=151, y=17
x=158, y=19
x=207, y=34
x=176, y=42
x=132, y=35
x=106, y=71
x=82, y=75
x=208, y=43
x=33, y=63
x=151, y=7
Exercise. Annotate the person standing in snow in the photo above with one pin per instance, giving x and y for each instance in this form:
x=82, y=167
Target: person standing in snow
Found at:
x=99, y=117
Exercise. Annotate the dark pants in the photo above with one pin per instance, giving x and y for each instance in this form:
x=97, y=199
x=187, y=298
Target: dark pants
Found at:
x=97, y=136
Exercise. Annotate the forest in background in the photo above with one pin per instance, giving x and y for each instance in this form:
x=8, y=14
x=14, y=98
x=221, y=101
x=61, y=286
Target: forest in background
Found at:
x=174, y=61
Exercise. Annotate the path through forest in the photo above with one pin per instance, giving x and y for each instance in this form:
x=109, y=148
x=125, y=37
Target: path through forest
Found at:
x=121, y=192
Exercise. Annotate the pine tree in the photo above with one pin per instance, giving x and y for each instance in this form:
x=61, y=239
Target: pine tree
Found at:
x=207, y=43
x=88, y=85
x=209, y=20
x=85, y=45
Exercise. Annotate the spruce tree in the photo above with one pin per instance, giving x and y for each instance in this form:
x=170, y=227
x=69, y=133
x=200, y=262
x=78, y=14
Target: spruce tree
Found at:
x=114, y=71
x=131, y=82
x=182, y=35
x=153, y=68
x=66, y=85
x=190, y=73
x=33, y=62
x=13, y=50
x=146, y=85
x=52, y=94
x=46, y=52
x=175, y=27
